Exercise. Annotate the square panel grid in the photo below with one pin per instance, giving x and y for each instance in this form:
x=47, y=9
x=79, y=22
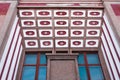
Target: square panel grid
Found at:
x=61, y=28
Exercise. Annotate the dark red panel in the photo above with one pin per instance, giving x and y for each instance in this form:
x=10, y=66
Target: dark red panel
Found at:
x=92, y=32
x=61, y=13
x=61, y=22
x=30, y=32
x=44, y=22
x=28, y=23
x=46, y=43
x=93, y=22
x=76, y=42
x=61, y=43
x=31, y=43
x=116, y=9
x=27, y=13
x=94, y=13
x=91, y=42
x=77, y=13
x=44, y=13
x=77, y=22
x=77, y=32
x=4, y=8
x=61, y=32
x=45, y=32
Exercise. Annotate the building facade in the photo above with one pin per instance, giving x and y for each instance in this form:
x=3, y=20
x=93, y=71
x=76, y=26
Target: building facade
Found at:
x=59, y=40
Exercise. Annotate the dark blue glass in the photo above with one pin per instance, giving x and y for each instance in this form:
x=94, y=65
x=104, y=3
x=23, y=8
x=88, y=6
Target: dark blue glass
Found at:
x=42, y=73
x=83, y=73
x=30, y=58
x=81, y=59
x=43, y=59
x=96, y=73
x=93, y=59
x=28, y=73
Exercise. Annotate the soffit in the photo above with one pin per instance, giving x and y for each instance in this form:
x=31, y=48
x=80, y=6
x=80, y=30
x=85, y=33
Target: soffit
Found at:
x=59, y=28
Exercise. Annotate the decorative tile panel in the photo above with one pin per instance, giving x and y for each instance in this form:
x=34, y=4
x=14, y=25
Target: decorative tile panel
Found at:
x=31, y=43
x=78, y=13
x=94, y=23
x=76, y=43
x=26, y=13
x=77, y=32
x=61, y=23
x=93, y=33
x=61, y=33
x=45, y=33
x=46, y=43
x=95, y=13
x=29, y=33
x=61, y=13
x=78, y=23
x=61, y=43
x=28, y=23
x=44, y=13
x=44, y=23
x=91, y=43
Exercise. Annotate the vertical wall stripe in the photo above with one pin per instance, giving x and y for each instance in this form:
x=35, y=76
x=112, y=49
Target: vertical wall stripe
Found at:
x=3, y=59
x=110, y=50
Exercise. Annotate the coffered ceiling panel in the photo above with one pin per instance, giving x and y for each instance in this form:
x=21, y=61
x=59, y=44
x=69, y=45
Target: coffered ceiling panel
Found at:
x=60, y=28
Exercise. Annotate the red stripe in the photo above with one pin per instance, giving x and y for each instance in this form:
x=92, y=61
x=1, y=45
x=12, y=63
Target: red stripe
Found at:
x=16, y=62
x=8, y=51
x=108, y=61
x=111, y=40
x=12, y=56
x=111, y=54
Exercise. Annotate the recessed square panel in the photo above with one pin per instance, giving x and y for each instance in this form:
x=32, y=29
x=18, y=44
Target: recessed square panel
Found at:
x=46, y=43
x=76, y=43
x=61, y=23
x=61, y=43
x=28, y=23
x=78, y=13
x=44, y=13
x=91, y=43
x=61, y=33
x=26, y=13
x=95, y=13
x=29, y=33
x=45, y=33
x=94, y=23
x=77, y=23
x=77, y=32
x=31, y=43
x=61, y=13
x=93, y=32
x=44, y=23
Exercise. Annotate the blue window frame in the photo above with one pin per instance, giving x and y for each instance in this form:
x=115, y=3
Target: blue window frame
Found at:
x=34, y=67
x=89, y=66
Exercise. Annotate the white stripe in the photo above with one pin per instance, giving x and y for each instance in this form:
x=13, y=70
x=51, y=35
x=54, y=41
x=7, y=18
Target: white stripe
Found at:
x=8, y=44
x=110, y=58
x=106, y=61
x=112, y=49
x=18, y=63
x=112, y=34
x=14, y=58
x=10, y=54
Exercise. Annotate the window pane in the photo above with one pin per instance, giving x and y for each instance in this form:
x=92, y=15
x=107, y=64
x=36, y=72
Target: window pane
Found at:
x=42, y=73
x=83, y=73
x=92, y=59
x=30, y=59
x=28, y=73
x=81, y=59
x=96, y=73
x=42, y=59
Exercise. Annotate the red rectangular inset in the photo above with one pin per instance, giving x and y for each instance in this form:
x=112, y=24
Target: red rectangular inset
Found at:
x=4, y=8
x=116, y=9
